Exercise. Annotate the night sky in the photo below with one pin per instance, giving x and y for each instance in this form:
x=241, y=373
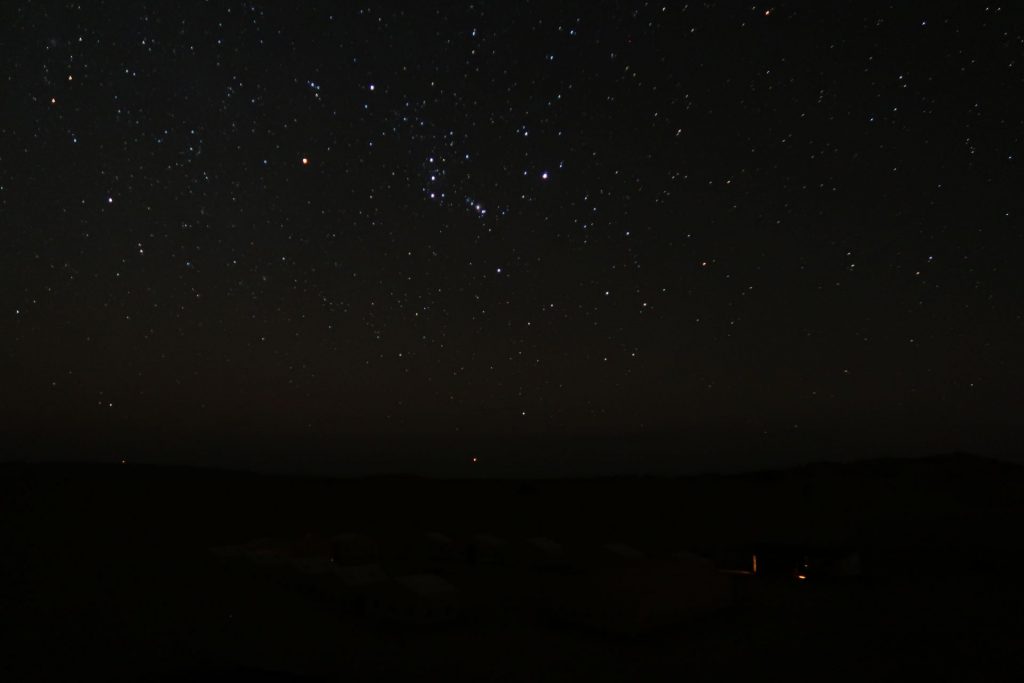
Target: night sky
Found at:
x=726, y=224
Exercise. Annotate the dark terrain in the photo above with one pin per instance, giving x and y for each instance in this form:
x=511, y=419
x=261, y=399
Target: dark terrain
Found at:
x=108, y=570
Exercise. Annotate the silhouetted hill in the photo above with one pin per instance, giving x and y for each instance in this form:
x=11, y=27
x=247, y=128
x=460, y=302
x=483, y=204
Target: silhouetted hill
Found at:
x=112, y=563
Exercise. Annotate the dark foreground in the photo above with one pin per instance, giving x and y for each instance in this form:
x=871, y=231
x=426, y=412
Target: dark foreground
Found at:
x=111, y=571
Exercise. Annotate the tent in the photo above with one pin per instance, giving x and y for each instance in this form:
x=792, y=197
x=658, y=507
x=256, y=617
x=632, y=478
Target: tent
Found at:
x=351, y=584
x=267, y=552
x=312, y=545
x=621, y=552
x=848, y=566
x=437, y=548
x=544, y=552
x=693, y=560
x=488, y=549
x=310, y=572
x=638, y=599
x=360, y=576
x=419, y=599
x=353, y=548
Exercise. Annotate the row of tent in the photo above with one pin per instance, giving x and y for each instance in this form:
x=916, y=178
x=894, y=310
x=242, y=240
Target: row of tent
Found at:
x=360, y=584
x=627, y=594
x=431, y=548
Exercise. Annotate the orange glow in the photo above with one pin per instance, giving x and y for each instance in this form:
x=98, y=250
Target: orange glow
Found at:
x=305, y=161
x=755, y=564
x=801, y=577
x=474, y=458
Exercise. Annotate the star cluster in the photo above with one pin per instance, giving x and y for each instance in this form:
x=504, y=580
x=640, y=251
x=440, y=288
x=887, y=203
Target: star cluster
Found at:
x=523, y=217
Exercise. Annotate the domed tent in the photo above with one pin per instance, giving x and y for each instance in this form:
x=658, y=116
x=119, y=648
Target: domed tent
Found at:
x=358, y=576
x=849, y=565
x=436, y=547
x=267, y=553
x=540, y=551
x=352, y=548
x=419, y=599
x=623, y=553
x=488, y=549
x=310, y=572
x=231, y=554
x=637, y=599
x=312, y=545
x=689, y=559
x=351, y=584
x=346, y=584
